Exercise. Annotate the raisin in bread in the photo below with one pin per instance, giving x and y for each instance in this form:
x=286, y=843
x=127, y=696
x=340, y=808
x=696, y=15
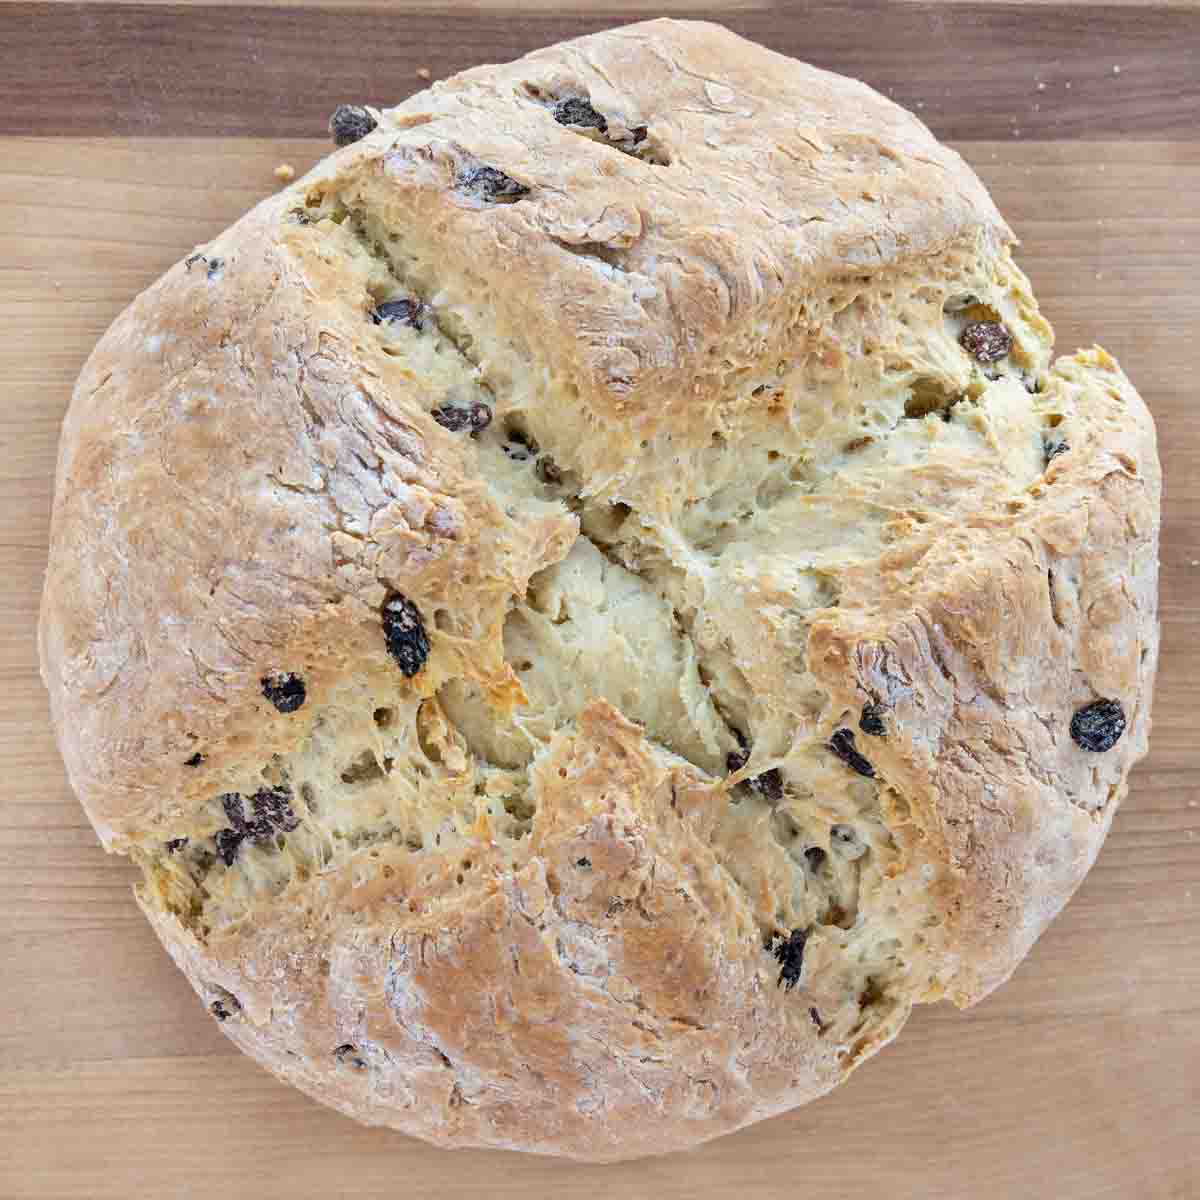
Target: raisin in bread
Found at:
x=596, y=600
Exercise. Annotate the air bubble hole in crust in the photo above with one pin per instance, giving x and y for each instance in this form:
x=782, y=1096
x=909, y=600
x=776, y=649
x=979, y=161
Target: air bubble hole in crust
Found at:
x=363, y=769
x=927, y=396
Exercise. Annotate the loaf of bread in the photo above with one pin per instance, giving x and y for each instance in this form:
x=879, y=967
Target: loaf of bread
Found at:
x=594, y=601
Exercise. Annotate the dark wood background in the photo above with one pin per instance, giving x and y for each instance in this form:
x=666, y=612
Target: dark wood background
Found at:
x=129, y=133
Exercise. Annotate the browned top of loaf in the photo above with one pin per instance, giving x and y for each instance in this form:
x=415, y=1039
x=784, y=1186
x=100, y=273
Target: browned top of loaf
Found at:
x=183, y=445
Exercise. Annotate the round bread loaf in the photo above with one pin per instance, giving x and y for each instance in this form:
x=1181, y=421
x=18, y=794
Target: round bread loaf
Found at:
x=593, y=602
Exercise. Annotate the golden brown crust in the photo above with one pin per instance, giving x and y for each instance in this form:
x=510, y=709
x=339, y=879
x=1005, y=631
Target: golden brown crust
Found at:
x=196, y=370
x=563, y=1008
x=739, y=480
x=1013, y=626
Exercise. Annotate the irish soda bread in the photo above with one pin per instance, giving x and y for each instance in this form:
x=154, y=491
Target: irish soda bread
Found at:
x=594, y=601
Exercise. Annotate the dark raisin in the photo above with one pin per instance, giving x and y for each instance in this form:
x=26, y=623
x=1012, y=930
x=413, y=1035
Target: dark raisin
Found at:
x=272, y=813
x=574, y=111
x=228, y=841
x=815, y=857
x=218, y=1010
x=287, y=692
x=815, y=1017
x=491, y=185
x=584, y=864
x=347, y=1055
x=235, y=812
x=1098, y=726
x=404, y=630
x=789, y=953
x=481, y=417
x=986, y=341
x=175, y=845
x=453, y=419
x=214, y=267
x=408, y=311
x=548, y=470
x=769, y=785
x=871, y=720
x=1054, y=449
x=350, y=123
x=194, y=761
x=476, y=418
x=192, y=260
x=735, y=760
x=842, y=744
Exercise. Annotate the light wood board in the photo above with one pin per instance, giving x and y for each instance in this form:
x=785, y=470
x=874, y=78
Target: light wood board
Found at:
x=1079, y=1079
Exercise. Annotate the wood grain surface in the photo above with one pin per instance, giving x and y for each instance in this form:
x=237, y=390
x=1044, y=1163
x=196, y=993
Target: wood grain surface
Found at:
x=972, y=71
x=128, y=134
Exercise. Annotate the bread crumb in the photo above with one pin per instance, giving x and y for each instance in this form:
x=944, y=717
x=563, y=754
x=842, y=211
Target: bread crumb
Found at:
x=1067, y=84
x=1041, y=86
x=424, y=73
x=1116, y=69
x=285, y=172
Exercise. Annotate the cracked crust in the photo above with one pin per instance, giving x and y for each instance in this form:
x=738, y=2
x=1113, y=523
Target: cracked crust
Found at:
x=737, y=480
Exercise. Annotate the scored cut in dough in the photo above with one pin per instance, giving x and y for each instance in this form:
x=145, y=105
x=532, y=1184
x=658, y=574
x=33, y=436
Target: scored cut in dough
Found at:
x=595, y=600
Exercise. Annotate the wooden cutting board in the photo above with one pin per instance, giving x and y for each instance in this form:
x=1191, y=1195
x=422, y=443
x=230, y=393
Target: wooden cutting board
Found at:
x=130, y=133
